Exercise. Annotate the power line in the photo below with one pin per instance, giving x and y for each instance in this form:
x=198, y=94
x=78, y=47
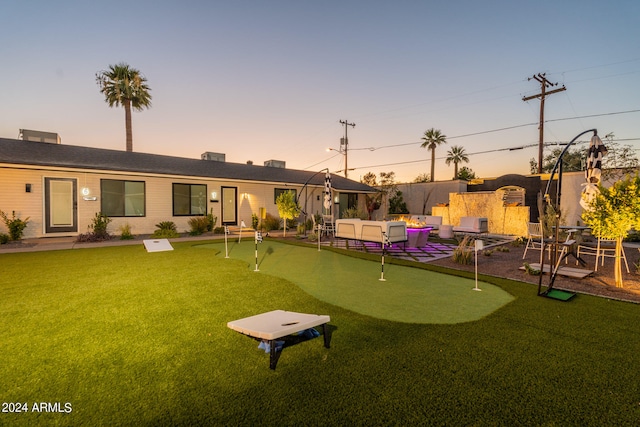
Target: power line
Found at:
x=594, y=115
x=598, y=66
x=481, y=133
x=322, y=161
x=546, y=144
x=493, y=130
x=499, y=129
x=449, y=137
x=466, y=94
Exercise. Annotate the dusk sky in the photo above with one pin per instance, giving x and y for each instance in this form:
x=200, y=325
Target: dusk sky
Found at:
x=261, y=80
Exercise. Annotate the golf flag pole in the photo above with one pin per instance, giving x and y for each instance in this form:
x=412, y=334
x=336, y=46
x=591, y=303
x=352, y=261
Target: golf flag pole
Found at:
x=479, y=245
x=319, y=235
x=384, y=243
x=242, y=225
x=226, y=248
x=258, y=239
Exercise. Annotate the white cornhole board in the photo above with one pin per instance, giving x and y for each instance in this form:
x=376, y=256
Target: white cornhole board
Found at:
x=157, y=245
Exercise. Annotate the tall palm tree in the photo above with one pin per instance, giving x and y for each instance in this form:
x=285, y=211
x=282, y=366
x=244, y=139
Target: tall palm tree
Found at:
x=123, y=85
x=432, y=138
x=456, y=155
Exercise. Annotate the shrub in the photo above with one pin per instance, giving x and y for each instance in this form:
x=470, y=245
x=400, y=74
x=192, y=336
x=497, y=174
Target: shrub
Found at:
x=100, y=224
x=254, y=221
x=549, y=220
x=166, y=230
x=301, y=229
x=354, y=213
x=519, y=241
x=397, y=205
x=125, y=232
x=98, y=229
x=502, y=249
x=4, y=238
x=218, y=230
x=312, y=237
x=212, y=221
x=15, y=225
x=199, y=225
x=292, y=223
x=463, y=253
x=530, y=270
x=270, y=222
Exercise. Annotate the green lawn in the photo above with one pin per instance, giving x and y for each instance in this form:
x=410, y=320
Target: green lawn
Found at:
x=131, y=338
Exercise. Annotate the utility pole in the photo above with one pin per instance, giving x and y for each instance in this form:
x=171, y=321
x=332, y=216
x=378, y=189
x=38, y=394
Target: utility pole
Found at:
x=344, y=144
x=544, y=84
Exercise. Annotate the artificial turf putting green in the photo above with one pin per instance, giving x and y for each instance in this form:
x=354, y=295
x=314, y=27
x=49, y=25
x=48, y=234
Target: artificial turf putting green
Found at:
x=407, y=295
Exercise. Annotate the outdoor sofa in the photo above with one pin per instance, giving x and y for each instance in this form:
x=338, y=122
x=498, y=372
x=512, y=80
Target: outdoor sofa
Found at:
x=433, y=222
x=472, y=224
x=371, y=231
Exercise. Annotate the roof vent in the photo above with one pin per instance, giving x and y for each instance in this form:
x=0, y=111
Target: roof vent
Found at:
x=216, y=157
x=38, y=136
x=275, y=163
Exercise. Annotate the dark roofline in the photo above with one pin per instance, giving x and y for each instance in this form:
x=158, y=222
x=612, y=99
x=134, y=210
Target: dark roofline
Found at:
x=21, y=152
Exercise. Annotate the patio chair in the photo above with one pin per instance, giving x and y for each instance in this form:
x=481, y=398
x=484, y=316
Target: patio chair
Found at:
x=328, y=224
x=603, y=248
x=535, y=238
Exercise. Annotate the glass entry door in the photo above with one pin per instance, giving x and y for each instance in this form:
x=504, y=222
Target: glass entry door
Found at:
x=60, y=205
x=229, y=205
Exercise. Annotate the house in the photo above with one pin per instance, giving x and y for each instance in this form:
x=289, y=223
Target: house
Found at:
x=61, y=188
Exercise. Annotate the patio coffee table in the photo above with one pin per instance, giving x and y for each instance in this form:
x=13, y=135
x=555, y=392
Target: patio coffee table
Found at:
x=277, y=324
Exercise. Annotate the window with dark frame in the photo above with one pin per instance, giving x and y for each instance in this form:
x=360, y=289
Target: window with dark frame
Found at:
x=278, y=191
x=352, y=201
x=122, y=198
x=189, y=199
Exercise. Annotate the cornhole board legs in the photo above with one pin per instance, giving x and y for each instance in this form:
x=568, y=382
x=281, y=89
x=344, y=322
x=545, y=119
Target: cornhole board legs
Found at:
x=277, y=324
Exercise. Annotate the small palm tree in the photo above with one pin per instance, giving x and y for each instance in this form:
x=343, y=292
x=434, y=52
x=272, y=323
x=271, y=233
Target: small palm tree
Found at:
x=432, y=138
x=456, y=155
x=123, y=85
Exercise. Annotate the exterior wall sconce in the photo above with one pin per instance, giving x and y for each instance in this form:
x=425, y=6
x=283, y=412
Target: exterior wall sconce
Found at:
x=214, y=196
x=336, y=200
x=86, y=195
x=27, y=188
